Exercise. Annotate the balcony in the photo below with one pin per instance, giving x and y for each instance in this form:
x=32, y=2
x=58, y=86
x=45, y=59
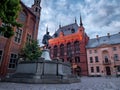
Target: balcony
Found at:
x=106, y=62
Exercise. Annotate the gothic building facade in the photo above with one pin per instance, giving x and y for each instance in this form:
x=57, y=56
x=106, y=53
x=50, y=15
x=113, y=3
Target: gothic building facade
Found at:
x=68, y=44
x=11, y=47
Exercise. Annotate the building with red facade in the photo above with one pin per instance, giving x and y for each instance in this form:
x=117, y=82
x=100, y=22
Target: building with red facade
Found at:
x=10, y=47
x=68, y=44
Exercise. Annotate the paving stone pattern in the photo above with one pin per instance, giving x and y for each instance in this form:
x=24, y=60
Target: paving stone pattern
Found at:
x=87, y=83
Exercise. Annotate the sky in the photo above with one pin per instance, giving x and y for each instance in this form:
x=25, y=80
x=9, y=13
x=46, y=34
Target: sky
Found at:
x=99, y=16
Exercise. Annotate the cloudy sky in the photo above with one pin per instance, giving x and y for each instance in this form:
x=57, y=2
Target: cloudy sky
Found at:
x=99, y=16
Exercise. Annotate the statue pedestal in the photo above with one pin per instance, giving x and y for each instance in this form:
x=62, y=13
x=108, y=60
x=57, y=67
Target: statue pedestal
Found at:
x=46, y=55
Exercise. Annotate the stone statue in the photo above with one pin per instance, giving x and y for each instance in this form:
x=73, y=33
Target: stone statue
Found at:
x=46, y=37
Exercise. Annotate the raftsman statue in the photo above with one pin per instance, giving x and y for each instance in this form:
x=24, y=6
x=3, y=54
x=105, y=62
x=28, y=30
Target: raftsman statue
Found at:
x=46, y=38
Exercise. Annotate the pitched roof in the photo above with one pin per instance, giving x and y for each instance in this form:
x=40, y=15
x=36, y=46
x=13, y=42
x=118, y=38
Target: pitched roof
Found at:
x=68, y=29
x=109, y=40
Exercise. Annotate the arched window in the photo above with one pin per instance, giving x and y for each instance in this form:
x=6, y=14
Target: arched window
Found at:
x=77, y=47
x=55, y=51
x=61, y=50
x=69, y=50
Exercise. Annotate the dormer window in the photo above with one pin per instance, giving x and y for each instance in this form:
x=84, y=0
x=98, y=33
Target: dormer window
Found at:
x=73, y=30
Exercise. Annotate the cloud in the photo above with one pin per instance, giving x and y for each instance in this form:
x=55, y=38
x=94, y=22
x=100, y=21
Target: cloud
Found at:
x=99, y=16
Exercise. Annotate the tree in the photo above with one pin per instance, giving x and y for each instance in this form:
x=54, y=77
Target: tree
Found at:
x=9, y=10
x=31, y=51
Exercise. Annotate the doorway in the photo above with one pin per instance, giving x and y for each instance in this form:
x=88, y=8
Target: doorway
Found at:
x=108, y=71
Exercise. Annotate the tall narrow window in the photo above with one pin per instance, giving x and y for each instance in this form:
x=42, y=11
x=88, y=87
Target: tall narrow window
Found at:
x=116, y=57
x=77, y=47
x=69, y=50
x=29, y=38
x=1, y=53
x=106, y=59
x=77, y=59
x=61, y=50
x=118, y=68
x=97, y=69
x=13, y=61
x=55, y=51
x=18, y=35
x=96, y=59
x=92, y=69
x=114, y=48
x=91, y=60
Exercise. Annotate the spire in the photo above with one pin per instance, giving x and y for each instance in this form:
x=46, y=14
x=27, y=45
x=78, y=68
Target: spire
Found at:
x=47, y=29
x=75, y=20
x=81, y=24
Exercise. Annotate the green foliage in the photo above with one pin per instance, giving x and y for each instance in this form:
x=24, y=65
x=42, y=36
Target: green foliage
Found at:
x=31, y=51
x=9, y=10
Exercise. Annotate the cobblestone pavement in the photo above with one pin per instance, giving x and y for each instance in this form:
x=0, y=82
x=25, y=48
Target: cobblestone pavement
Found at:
x=87, y=83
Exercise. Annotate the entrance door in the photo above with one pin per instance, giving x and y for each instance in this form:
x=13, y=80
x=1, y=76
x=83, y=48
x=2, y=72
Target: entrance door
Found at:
x=108, y=71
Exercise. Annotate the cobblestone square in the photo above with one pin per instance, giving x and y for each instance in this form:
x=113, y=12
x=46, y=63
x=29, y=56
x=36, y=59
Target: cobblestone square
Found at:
x=87, y=83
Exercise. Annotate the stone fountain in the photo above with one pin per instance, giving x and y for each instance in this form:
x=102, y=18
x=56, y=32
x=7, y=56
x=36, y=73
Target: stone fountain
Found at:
x=44, y=70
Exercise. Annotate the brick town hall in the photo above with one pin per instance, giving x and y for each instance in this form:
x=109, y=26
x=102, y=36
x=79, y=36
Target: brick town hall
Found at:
x=68, y=43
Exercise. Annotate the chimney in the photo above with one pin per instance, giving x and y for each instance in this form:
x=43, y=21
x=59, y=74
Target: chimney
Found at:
x=108, y=34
